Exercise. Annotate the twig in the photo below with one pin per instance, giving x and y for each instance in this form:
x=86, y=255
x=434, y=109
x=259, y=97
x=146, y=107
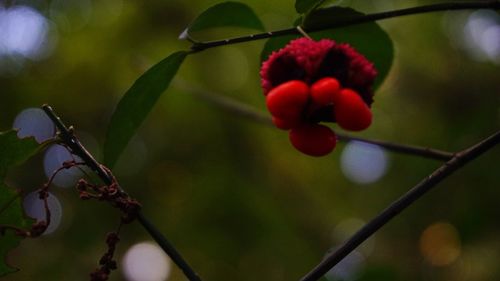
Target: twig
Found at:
x=79, y=150
x=303, y=32
x=448, y=168
x=241, y=109
x=225, y=103
x=403, y=148
x=447, y=6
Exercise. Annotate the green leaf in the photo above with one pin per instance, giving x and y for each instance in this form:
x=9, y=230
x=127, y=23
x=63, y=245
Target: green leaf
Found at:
x=13, y=151
x=322, y=18
x=11, y=213
x=137, y=103
x=368, y=38
x=227, y=14
x=304, y=6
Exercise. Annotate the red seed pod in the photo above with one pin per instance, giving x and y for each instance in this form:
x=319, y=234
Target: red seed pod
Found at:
x=325, y=91
x=307, y=60
x=288, y=100
x=284, y=125
x=313, y=139
x=351, y=112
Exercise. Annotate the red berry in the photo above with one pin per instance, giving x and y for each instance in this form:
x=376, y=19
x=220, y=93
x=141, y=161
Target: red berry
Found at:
x=313, y=139
x=325, y=91
x=351, y=112
x=288, y=100
x=284, y=125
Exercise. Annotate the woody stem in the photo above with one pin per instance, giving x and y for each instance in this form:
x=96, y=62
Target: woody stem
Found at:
x=448, y=168
x=79, y=150
x=341, y=22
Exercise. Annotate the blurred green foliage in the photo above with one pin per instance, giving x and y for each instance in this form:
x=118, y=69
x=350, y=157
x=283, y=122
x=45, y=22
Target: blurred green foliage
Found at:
x=13, y=152
x=235, y=198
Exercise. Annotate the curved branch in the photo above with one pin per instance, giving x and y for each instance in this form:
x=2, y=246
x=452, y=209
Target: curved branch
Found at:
x=251, y=113
x=66, y=135
x=447, y=6
x=448, y=168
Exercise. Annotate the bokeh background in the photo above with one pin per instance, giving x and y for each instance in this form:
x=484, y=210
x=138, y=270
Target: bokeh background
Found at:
x=232, y=194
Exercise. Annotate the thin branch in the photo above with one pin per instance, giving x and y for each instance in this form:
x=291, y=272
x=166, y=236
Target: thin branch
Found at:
x=448, y=168
x=403, y=148
x=234, y=107
x=67, y=136
x=447, y=6
x=227, y=104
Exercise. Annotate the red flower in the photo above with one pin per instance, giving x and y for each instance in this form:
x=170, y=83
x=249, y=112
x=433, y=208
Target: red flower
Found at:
x=309, y=81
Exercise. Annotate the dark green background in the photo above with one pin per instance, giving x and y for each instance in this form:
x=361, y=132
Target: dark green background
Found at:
x=235, y=198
